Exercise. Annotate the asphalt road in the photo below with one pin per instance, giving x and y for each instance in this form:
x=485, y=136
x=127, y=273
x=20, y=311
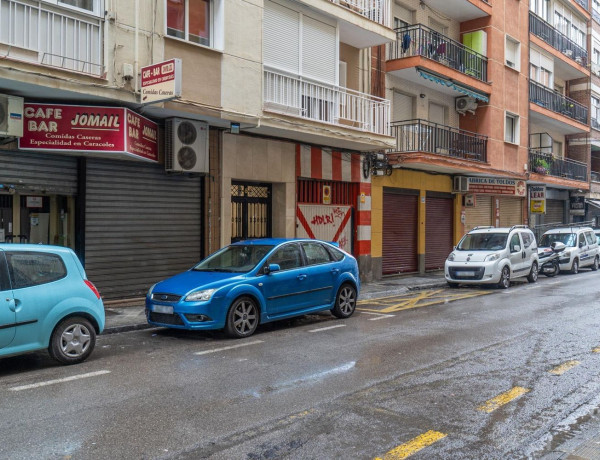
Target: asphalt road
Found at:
x=457, y=373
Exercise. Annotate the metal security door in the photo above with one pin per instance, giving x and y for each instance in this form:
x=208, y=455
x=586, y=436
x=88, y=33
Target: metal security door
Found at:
x=250, y=211
x=400, y=232
x=439, y=226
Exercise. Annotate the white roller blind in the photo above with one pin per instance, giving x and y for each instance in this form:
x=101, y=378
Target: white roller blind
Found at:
x=281, y=37
x=319, y=50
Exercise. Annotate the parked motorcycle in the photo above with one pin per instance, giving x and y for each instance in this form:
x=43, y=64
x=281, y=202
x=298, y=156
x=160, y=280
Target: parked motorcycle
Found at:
x=548, y=258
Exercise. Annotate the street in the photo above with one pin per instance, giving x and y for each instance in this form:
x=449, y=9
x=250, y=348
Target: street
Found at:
x=468, y=373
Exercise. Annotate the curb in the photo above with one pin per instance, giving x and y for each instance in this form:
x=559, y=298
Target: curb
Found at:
x=126, y=328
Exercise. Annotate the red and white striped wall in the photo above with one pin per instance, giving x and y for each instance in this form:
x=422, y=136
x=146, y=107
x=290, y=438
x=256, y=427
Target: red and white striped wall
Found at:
x=327, y=164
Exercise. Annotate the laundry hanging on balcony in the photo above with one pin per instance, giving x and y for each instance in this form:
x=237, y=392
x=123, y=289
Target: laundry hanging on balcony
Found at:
x=454, y=86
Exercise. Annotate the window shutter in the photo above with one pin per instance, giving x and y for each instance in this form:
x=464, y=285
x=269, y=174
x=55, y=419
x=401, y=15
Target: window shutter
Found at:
x=281, y=37
x=319, y=50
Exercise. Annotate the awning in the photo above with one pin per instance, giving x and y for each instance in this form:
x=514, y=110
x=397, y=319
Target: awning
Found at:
x=455, y=86
x=595, y=203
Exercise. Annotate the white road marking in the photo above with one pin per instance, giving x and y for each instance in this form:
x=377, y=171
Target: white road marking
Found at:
x=216, y=350
x=52, y=382
x=327, y=328
x=379, y=315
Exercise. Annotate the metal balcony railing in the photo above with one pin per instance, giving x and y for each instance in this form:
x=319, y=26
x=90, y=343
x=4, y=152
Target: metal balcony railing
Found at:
x=556, y=39
x=375, y=10
x=595, y=176
x=420, y=40
x=547, y=164
x=426, y=136
x=582, y=3
x=553, y=100
x=300, y=97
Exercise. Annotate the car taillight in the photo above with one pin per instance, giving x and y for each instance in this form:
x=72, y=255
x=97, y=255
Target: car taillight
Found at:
x=92, y=287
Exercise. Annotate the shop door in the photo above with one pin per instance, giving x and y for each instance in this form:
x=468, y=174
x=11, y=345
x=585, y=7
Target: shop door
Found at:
x=250, y=211
x=439, y=225
x=480, y=214
x=400, y=231
x=555, y=212
x=511, y=211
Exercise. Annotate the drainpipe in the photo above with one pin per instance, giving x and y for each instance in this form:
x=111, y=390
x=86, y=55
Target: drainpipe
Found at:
x=136, y=45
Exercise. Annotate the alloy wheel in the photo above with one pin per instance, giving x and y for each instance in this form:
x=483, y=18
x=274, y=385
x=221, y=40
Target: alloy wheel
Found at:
x=245, y=317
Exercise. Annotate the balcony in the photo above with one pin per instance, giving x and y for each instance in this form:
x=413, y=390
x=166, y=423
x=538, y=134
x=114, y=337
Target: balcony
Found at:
x=375, y=10
x=547, y=164
x=559, y=41
x=425, y=136
x=51, y=36
x=583, y=4
x=556, y=102
x=595, y=176
x=299, y=97
x=420, y=40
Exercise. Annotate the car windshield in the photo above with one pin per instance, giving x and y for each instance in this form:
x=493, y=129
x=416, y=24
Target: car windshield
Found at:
x=568, y=239
x=237, y=258
x=483, y=242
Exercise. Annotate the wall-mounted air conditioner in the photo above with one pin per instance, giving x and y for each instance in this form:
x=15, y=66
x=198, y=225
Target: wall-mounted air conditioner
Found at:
x=11, y=116
x=465, y=104
x=460, y=184
x=186, y=146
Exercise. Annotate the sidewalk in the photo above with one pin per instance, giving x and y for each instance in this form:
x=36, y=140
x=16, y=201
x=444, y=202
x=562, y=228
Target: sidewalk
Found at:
x=130, y=315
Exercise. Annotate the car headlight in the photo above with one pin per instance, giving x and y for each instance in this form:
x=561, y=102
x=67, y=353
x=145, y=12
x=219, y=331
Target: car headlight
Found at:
x=200, y=295
x=492, y=257
x=151, y=289
x=451, y=257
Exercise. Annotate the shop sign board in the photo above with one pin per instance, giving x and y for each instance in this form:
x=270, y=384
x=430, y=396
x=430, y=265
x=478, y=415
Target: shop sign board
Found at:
x=537, y=199
x=107, y=131
x=577, y=202
x=496, y=186
x=161, y=82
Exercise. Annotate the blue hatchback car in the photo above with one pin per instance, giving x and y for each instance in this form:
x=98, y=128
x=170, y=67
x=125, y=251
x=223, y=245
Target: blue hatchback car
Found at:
x=256, y=281
x=47, y=302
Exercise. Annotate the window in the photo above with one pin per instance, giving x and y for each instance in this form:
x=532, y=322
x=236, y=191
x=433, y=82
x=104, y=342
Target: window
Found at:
x=591, y=238
x=515, y=243
x=287, y=257
x=192, y=20
x=596, y=53
x=582, y=240
x=513, y=53
x=595, y=112
x=336, y=254
x=33, y=268
x=4, y=282
x=316, y=253
x=527, y=239
x=545, y=77
x=533, y=72
x=88, y=6
x=557, y=148
x=511, y=128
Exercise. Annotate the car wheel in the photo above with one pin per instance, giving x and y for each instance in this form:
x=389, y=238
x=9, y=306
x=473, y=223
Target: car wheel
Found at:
x=345, y=302
x=596, y=264
x=242, y=318
x=575, y=267
x=505, y=278
x=452, y=285
x=533, y=274
x=72, y=340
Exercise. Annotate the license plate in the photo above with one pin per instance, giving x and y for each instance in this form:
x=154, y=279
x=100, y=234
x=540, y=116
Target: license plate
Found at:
x=465, y=273
x=163, y=309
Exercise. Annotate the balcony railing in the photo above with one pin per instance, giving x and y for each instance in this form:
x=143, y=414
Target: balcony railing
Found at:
x=559, y=41
x=426, y=136
x=595, y=176
x=547, y=164
x=553, y=100
x=420, y=40
x=375, y=10
x=39, y=33
x=300, y=97
x=582, y=3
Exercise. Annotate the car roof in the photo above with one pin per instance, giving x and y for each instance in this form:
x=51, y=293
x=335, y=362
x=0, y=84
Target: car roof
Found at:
x=571, y=229
x=273, y=241
x=34, y=247
x=496, y=229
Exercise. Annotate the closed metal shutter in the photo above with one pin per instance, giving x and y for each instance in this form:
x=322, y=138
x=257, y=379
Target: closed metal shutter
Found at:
x=399, y=233
x=511, y=211
x=480, y=214
x=439, y=226
x=555, y=212
x=141, y=226
x=35, y=172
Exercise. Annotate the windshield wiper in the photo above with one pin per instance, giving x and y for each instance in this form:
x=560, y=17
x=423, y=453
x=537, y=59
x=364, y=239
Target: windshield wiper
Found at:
x=219, y=270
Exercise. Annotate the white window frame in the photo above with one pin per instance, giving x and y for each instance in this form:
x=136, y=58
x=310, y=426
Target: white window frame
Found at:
x=516, y=128
x=97, y=11
x=517, y=63
x=217, y=21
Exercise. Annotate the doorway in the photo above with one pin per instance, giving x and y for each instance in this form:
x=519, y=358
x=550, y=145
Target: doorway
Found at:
x=250, y=210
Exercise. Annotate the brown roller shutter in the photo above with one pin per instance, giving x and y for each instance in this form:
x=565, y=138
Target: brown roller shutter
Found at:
x=555, y=212
x=438, y=231
x=511, y=211
x=399, y=233
x=480, y=214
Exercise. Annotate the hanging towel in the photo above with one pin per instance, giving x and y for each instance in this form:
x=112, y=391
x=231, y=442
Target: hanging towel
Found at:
x=405, y=42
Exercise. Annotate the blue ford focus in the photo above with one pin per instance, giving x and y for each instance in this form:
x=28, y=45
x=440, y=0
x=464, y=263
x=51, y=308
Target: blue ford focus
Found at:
x=256, y=281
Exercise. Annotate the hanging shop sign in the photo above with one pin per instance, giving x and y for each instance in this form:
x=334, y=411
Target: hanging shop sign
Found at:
x=496, y=186
x=577, y=205
x=161, y=82
x=537, y=199
x=107, y=131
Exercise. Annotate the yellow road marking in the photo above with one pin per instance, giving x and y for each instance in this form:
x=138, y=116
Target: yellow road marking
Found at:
x=492, y=404
x=414, y=445
x=596, y=350
x=560, y=370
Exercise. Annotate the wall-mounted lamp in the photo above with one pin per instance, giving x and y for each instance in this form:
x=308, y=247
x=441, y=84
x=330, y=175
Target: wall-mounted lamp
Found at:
x=234, y=128
x=422, y=96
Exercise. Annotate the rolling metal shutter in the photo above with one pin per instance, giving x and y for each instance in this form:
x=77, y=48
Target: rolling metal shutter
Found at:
x=439, y=226
x=511, y=211
x=35, y=172
x=480, y=214
x=400, y=214
x=555, y=212
x=141, y=226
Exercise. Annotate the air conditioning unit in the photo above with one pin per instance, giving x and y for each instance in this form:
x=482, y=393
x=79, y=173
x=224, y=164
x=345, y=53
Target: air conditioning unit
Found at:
x=460, y=184
x=465, y=104
x=186, y=146
x=11, y=116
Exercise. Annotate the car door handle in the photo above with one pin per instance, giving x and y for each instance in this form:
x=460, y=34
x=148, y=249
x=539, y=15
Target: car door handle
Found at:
x=11, y=304
x=301, y=277
x=335, y=271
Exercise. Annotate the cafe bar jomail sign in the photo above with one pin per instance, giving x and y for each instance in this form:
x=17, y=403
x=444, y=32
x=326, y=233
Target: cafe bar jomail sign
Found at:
x=103, y=131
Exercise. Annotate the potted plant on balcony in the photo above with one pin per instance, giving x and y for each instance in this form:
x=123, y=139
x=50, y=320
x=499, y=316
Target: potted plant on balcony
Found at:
x=541, y=166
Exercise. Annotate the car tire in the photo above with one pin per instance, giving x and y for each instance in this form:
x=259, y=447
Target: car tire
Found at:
x=242, y=318
x=504, y=282
x=72, y=340
x=345, y=302
x=575, y=267
x=452, y=285
x=533, y=273
x=596, y=264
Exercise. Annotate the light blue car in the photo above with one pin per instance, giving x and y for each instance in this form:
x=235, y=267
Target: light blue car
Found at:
x=254, y=282
x=47, y=302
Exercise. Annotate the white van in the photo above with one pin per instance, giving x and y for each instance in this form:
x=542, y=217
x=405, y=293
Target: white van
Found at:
x=581, y=247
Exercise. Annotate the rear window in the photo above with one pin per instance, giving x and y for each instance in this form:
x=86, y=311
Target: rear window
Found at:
x=335, y=253
x=34, y=268
x=316, y=253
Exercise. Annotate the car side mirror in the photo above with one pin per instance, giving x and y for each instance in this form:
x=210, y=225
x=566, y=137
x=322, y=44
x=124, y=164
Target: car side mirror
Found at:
x=271, y=268
x=516, y=248
x=581, y=244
